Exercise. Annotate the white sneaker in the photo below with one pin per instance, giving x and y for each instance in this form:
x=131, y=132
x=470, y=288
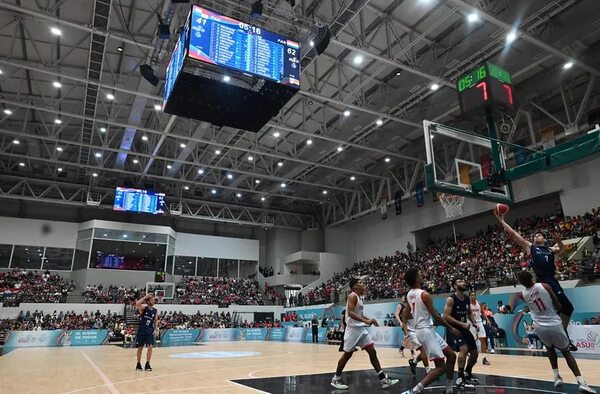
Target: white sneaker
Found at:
x=387, y=382
x=338, y=384
x=493, y=351
x=584, y=388
x=558, y=382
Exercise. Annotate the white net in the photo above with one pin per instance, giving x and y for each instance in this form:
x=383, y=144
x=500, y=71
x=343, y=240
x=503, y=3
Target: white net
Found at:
x=452, y=204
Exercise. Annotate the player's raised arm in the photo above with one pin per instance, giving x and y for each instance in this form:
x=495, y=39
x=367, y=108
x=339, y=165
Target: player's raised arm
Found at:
x=139, y=304
x=518, y=238
x=560, y=246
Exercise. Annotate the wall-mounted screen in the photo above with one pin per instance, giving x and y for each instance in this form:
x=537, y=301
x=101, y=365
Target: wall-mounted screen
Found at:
x=227, y=42
x=176, y=63
x=136, y=200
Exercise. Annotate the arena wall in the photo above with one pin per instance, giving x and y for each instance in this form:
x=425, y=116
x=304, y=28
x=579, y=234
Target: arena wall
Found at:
x=577, y=185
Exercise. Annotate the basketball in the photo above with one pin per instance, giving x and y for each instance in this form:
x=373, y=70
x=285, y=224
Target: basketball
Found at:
x=501, y=209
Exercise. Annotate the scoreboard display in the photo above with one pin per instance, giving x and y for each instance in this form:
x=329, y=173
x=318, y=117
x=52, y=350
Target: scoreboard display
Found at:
x=136, y=200
x=226, y=42
x=486, y=87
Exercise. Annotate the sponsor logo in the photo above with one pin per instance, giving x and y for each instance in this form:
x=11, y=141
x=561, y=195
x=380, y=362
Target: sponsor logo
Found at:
x=590, y=342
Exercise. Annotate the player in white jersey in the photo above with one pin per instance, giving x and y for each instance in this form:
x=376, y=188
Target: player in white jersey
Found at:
x=544, y=307
x=420, y=306
x=410, y=339
x=478, y=331
x=356, y=334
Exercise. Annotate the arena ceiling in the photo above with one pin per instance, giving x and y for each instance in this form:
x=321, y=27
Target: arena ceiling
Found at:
x=362, y=102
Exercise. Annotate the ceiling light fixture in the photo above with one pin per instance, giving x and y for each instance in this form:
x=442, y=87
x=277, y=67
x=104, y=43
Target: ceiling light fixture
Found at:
x=21, y=164
x=473, y=17
x=59, y=169
x=283, y=185
x=339, y=149
x=103, y=129
x=16, y=141
x=110, y=96
x=358, y=59
x=568, y=65
x=57, y=121
x=169, y=166
x=226, y=78
x=135, y=161
x=214, y=191
x=182, y=145
x=57, y=84
x=8, y=111
x=311, y=43
x=229, y=176
x=257, y=181
x=59, y=148
x=144, y=138
x=250, y=158
x=218, y=152
x=309, y=142
x=324, y=191
x=262, y=199
x=120, y=49
x=280, y=164
x=353, y=178
x=347, y=113
x=511, y=37
x=238, y=195
x=276, y=134
x=434, y=86
x=98, y=155
x=200, y=171
x=387, y=159
x=95, y=175
x=55, y=30
x=186, y=187
x=379, y=122
x=157, y=107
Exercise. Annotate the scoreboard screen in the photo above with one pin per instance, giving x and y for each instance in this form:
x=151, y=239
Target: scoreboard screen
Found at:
x=226, y=42
x=175, y=64
x=136, y=200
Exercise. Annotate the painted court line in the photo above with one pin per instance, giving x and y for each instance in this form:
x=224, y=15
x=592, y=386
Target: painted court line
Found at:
x=248, y=387
x=108, y=383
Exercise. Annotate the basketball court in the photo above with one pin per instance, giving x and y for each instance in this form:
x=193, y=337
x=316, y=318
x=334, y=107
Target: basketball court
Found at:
x=246, y=367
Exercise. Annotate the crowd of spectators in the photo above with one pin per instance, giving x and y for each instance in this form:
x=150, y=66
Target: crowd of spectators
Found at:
x=216, y=291
x=111, y=294
x=489, y=258
x=37, y=321
x=18, y=286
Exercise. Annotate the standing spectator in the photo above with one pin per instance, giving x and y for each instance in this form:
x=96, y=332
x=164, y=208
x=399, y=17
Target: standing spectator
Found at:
x=315, y=329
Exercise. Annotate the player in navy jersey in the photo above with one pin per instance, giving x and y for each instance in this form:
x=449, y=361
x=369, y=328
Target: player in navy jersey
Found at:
x=146, y=330
x=542, y=263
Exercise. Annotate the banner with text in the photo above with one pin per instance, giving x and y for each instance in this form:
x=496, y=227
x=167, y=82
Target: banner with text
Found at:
x=173, y=337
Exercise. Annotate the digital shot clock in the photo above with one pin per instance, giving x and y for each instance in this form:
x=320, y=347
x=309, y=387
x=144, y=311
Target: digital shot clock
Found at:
x=487, y=87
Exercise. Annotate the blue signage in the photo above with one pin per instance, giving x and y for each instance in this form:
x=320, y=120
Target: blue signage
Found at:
x=173, y=337
x=254, y=334
x=85, y=338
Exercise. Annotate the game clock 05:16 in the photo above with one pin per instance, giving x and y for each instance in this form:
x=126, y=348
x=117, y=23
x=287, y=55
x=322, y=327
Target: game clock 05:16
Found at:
x=486, y=87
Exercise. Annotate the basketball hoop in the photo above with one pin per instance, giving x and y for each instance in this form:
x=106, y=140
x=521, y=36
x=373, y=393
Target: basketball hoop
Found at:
x=452, y=204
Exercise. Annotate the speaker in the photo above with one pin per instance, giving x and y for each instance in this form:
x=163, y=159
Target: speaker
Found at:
x=322, y=39
x=148, y=74
x=164, y=31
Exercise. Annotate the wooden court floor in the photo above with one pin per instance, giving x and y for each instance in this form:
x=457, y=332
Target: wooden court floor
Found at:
x=111, y=369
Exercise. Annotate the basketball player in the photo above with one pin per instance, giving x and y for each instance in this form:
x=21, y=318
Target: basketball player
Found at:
x=458, y=314
x=420, y=306
x=356, y=334
x=542, y=263
x=478, y=332
x=543, y=305
x=410, y=337
x=146, y=330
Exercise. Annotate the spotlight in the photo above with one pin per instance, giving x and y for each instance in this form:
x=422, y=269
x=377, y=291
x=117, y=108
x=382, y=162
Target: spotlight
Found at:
x=8, y=111
x=103, y=129
x=358, y=59
x=135, y=161
x=473, y=17
x=568, y=65
x=148, y=74
x=110, y=96
x=218, y=152
x=309, y=141
x=280, y=164
x=16, y=141
x=510, y=37
x=257, y=9
x=262, y=199
x=186, y=188
x=57, y=84
x=182, y=145
x=144, y=138
x=250, y=158
x=200, y=171
x=311, y=43
x=324, y=191
x=346, y=113
x=276, y=134
x=339, y=149
x=238, y=195
x=21, y=164
x=387, y=159
x=57, y=121
x=353, y=178
x=157, y=107
x=56, y=31
x=226, y=78
x=59, y=149
x=379, y=122
x=214, y=191
x=229, y=176
x=257, y=181
x=169, y=166
x=120, y=49
x=434, y=86
x=98, y=155
x=95, y=175
x=59, y=169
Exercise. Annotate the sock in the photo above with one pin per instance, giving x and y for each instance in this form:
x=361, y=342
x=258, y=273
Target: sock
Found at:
x=336, y=377
x=449, y=383
x=416, y=360
x=461, y=373
x=418, y=388
x=580, y=380
x=556, y=374
x=381, y=374
x=469, y=371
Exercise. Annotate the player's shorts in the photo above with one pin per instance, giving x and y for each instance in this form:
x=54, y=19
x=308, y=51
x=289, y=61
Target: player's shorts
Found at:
x=356, y=336
x=412, y=338
x=479, y=332
x=565, y=304
x=552, y=336
x=465, y=338
x=142, y=340
x=431, y=342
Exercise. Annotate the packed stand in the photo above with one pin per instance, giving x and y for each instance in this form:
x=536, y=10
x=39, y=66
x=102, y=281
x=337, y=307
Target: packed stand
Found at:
x=216, y=291
x=38, y=321
x=111, y=294
x=18, y=286
x=490, y=258
x=180, y=321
